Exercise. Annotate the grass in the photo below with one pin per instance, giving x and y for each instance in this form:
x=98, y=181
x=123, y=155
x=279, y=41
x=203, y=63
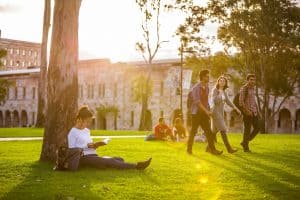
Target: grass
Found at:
x=272, y=171
x=38, y=132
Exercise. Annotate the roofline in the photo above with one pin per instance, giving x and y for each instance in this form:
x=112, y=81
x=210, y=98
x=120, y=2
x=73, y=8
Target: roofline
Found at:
x=26, y=42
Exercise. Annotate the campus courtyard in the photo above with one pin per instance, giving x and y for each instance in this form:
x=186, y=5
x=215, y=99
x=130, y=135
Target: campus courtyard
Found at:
x=271, y=171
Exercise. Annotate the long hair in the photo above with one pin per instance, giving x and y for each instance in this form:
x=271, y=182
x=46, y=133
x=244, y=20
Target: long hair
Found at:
x=226, y=82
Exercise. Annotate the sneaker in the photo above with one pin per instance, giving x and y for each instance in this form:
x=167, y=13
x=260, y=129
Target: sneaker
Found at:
x=143, y=165
x=216, y=152
x=232, y=150
x=247, y=150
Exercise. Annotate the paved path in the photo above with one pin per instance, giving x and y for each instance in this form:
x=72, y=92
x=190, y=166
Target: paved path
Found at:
x=40, y=138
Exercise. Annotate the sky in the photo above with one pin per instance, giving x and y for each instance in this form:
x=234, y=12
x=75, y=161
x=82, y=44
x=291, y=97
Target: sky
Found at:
x=107, y=28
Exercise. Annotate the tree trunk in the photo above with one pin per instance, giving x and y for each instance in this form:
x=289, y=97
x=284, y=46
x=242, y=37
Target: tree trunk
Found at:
x=145, y=98
x=62, y=87
x=143, y=122
x=43, y=69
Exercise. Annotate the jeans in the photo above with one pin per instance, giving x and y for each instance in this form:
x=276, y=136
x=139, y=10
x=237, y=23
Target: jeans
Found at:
x=200, y=119
x=94, y=160
x=250, y=121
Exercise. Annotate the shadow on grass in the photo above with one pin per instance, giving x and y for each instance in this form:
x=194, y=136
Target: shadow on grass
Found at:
x=267, y=171
x=87, y=183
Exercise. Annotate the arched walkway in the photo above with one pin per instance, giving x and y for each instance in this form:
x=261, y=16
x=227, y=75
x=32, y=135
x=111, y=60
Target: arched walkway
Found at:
x=297, y=122
x=7, y=119
x=1, y=119
x=284, y=121
x=16, y=121
x=24, y=118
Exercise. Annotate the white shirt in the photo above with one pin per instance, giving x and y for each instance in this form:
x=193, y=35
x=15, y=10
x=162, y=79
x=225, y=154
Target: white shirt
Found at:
x=79, y=138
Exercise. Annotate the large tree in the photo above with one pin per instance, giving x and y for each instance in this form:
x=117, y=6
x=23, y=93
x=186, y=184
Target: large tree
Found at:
x=266, y=32
x=43, y=67
x=62, y=77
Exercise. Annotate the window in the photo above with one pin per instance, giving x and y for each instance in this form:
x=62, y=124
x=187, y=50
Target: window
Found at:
x=11, y=51
x=18, y=51
x=23, y=52
x=17, y=63
x=132, y=118
x=35, y=53
x=161, y=88
x=23, y=64
x=24, y=92
x=29, y=52
x=29, y=63
x=33, y=93
x=90, y=91
x=4, y=62
x=11, y=62
x=81, y=91
x=101, y=92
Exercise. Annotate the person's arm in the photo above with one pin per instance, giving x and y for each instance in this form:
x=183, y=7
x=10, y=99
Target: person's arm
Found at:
x=95, y=145
x=157, y=131
x=229, y=103
x=242, y=100
x=169, y=132
x=215, y=96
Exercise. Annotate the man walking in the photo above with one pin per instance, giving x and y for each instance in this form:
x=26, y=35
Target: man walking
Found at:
x=250, y=112
x=201, y=114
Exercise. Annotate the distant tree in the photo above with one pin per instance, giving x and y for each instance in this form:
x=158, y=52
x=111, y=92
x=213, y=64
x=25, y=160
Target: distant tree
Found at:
x=62, y=78
x=266, y=32
x=40, y=122
x=4, y=83
x=149, y=46
x=142, y=88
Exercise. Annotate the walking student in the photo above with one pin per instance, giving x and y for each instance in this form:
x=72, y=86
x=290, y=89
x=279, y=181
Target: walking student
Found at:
x=219, y=98
x=201, y=114
x=250, y=112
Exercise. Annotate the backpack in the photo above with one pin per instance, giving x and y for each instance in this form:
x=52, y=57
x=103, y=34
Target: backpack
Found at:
x=67, y=158
x=236, y=100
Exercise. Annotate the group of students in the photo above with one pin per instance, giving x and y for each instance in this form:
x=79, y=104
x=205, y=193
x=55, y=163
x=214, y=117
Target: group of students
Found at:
x=161, y=131
x=202, y=113
x=209, y=114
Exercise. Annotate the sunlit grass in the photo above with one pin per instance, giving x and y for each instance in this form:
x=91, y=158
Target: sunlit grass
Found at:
x=38, y=132
x=271, y=172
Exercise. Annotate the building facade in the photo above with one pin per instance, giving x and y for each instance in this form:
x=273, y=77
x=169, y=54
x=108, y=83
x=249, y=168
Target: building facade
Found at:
x=107, y=88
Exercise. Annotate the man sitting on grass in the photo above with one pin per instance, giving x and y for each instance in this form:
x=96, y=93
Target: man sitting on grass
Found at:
x=161, y=131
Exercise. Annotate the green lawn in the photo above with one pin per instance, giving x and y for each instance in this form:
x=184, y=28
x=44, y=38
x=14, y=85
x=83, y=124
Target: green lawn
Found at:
x=38, y=132
x=272, y=171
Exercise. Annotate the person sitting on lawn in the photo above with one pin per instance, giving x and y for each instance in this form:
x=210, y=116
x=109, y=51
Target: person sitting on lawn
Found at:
x=79, y=137
x=179, y=131
x=161, y=131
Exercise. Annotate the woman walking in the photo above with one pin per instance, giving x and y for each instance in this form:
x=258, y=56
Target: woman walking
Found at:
x=219, y=98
